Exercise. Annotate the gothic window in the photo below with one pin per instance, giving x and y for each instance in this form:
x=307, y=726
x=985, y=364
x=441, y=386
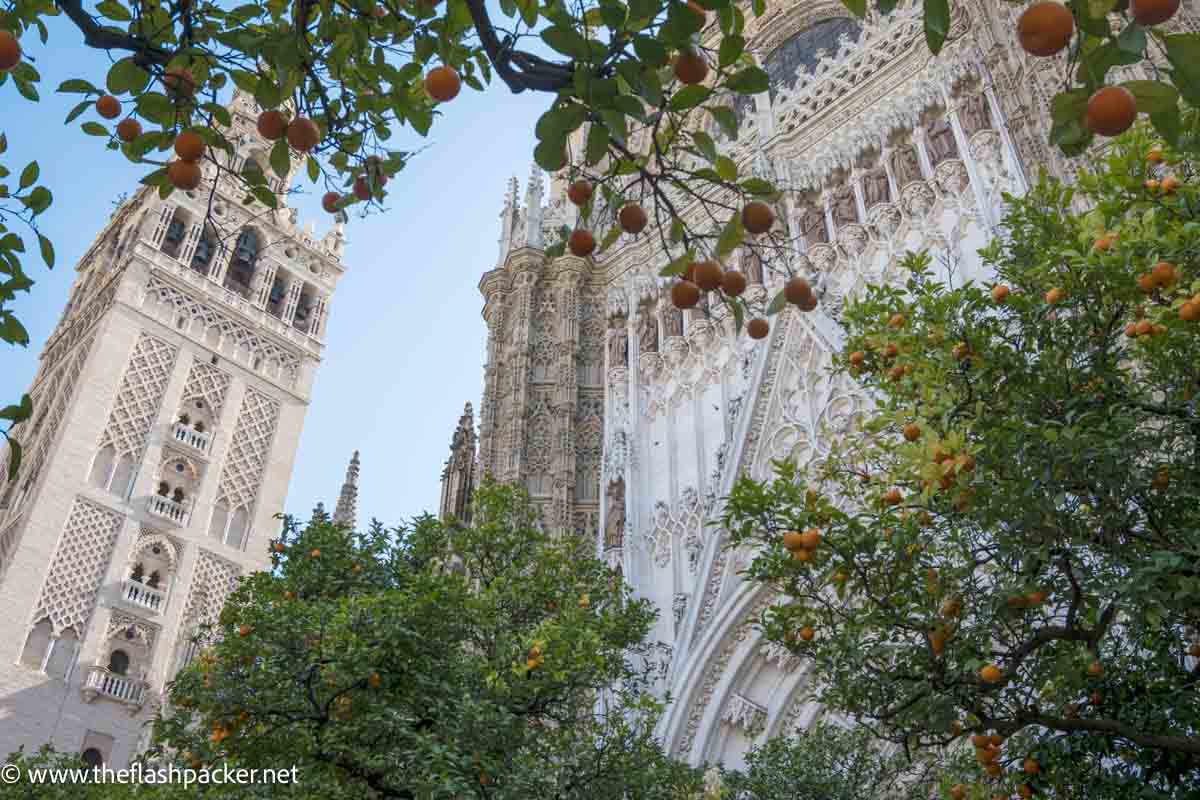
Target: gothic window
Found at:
x=118, y=662
x=305, y=309
x=102, y=467
x=802, y=52
x=240, y=275
x=62, y=654
x=206, y=249
x=92, y=758
x=275, y=300
x=37, y=645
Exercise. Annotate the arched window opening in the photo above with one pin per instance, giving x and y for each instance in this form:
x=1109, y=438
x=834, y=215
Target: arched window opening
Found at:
x=277, y=296
x=37, y=645
x=236, y=537
x=206, y=249
x=241, y=267
x=118, y=662
x=122, y=476
x=93, y=758
x=62, y=654
x=177, y=228
x=304, y=309
x=102, y=467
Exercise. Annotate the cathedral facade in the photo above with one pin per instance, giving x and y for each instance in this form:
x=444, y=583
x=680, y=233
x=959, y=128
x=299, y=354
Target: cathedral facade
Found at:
x=168, y=403
x=629, y=420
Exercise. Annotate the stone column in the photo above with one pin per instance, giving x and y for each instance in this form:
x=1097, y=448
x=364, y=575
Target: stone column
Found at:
x=188, y=249
x=827, y=208
x=316, y=328
x=860, y=201
x=264, y=280
x=918, y=140
x=885, y=156
x=964, y=152
x=295, y=287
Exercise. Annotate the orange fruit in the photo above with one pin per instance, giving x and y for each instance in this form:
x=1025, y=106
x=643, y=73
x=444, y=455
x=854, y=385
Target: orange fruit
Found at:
x=277, y=547
x=374, y=681
x=958, y=792
x=1146, y=284
x=632, y=218
x=1161, y=479
x=1095, y=669
x=1143, y=328
x=807, y=633
x=1170, y=184
x=1045, y=29
x=1031, y=766
x=1163, y=273
x=316, y=553
x=1104, y=243
x=1151, y=185
x=896, y=322
x=857, y=358
x=244, y=630
x=1053, y=296
x=272, y=124
x=1111, y=111
x=579, y=192
x=582, y=242
x=10, y=51
x=690, y=67
x=733, y=283
x=362, y=189
x=129, y=129
x=303, y=134
x=1189, y=311
x=990, y=674
x=184, y=174
x=708, y=275
x=802, y=555
x=912, y=431
x=189, y=146
x=757, y=217
x=1154, y=155
x=811, y=539
x=792, y=541
x=1000, y=294
x=1153, y=12
x=442, y=83
x=758, y=328
x=1024, y=790
x=797, y=291
x=685, y=294
x=330, y=201
x=179, y=82
x=891, y=351
x=108, y=107
x=892, y=497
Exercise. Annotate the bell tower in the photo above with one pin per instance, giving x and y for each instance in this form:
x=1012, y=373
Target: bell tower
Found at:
x=168, y=406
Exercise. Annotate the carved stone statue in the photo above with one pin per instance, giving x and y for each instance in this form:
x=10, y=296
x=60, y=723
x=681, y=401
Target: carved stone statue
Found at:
x=974, y=114
x=941, y=140
x=647, y=330
x=614, y=522
x=906, y=166
x=672, y=317
x=875, y=188
x=812, y=225
x=618, y=346
x=845, y=210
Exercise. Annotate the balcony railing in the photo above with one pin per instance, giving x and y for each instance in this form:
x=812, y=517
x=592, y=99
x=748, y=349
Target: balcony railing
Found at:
x=102, y=683
x=197, y=440
x=168, y=509
x=143, y=596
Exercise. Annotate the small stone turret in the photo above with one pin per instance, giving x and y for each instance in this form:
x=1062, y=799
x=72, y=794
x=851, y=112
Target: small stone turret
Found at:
x=347, y=504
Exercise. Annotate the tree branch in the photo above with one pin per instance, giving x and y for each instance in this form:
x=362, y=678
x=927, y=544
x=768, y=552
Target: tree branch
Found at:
x=532, y=72
x=108, y=39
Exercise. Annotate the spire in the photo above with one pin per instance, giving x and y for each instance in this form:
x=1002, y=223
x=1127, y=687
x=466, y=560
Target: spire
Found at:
x=458, y=478
x=347, y=504
x=533, y=208
x=319, y=511
x=508, y=219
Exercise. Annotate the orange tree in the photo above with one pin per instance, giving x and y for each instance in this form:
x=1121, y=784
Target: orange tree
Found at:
x=443, y=661
x=1004, y=550
x=632, y=90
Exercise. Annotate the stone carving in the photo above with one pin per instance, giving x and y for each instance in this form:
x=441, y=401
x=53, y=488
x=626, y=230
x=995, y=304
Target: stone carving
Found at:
x=973, y=114
x=614, y=520
x=776, y=653
x=843, y=205
x=139, y=396
x=940, y=140
x=679, y=609
x=248, y=451
x=672, y=317
x=812, y=225
x=876, y=189
x=745, y=714
x=906, y=165
x=618, y=345
x=647, y=330
x=68, y=595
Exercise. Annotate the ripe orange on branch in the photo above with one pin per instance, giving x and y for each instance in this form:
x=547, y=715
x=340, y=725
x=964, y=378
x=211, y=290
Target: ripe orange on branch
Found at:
x=797, y=291
x=108, y=107
x=758, y=328
x=733, y=283
x=330, y=201
x=129, y=129
x=1000, y=294
x=757, y=217
x=272, y=124
x=303, y=134
x=581, y=242
x=691, y=67
x=632, y=218
x=442, y=83
x=793, y=541
x=1045, y=28
x=579, y=192
x=990, y=674
x=1153, y=12
x=184, y=175
x=708, y=275
x=10, y=51
x=685, y=294
x=1111, y=111
x=189, y=146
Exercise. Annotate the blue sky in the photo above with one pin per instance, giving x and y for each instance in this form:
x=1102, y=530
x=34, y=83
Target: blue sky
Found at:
x=405, y=340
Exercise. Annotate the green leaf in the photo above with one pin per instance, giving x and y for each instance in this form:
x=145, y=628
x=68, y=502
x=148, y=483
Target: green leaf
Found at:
x=267, y=93
x=314, y=169
x=731, y=236
x=47, y=248
x=689, y=97
x=731, y=49
x=126, y=76
x=597, y=144
x=650, y=51
x=678, y=266
x=1132, y=39
x=1169, y=125
x=92, y=128
x=550, y=156
x=14, y=458
x=79, y=108
x=1183, y=51
x=726, y=119
x=739, y=315
x=281, y=160
x=751, y=80
x=29, y=175
x=937, y=24
x=759, y=187
x=114, y=10
x=38, y=200
x=856, y=7
x=705, y=145
x=1153, y=96
x=567, y=41
x=265, y=196
x=77, y=86
x=1069, y=106
x=12, y=331
x=613, y=234
x=726, y=168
